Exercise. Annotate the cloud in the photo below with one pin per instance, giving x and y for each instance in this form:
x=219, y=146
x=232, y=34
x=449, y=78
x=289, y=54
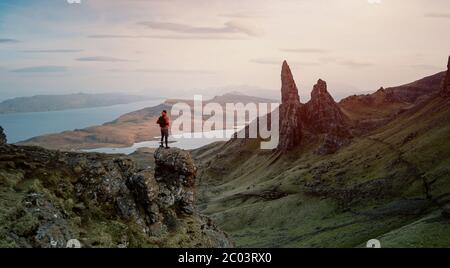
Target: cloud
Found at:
x=8, y=40
x=42, y=69
x=305, y=50
x=113, y=36
x=268, y=61
x=231, y=27
x=54, y=51
x=353, y=64
x=346, y=62
x=174, y=37
x=242, y=15
x=438, y=15
x=101, y=59
x=164, y=71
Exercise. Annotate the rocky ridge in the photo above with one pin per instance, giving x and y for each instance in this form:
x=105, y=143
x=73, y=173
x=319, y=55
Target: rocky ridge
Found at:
x=50, y=197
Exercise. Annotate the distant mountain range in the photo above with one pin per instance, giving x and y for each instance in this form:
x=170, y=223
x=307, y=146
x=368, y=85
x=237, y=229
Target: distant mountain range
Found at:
x=44, y=103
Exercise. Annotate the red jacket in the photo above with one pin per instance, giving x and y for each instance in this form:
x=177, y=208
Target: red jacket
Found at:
x=163, y=121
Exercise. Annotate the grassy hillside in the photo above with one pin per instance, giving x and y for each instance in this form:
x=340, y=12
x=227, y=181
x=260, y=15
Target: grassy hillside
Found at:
x=391, y=184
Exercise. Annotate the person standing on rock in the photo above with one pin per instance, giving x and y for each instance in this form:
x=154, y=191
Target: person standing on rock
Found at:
x=164, y=122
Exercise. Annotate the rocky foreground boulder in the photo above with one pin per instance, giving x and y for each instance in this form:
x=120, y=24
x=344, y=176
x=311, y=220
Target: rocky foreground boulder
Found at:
x=50, y=197
x=2, y=136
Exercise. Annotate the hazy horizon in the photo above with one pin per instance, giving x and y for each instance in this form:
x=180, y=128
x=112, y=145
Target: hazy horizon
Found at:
x=175, y=48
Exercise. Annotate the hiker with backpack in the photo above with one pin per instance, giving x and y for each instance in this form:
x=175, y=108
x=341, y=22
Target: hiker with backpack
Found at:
x=164, y=122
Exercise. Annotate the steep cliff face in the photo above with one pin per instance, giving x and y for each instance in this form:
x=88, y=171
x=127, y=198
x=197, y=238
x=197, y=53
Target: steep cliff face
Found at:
x=445, y=92
x=50, y=197
x=305, y=122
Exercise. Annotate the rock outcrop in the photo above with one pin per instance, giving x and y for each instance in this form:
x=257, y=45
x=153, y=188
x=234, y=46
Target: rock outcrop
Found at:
x=445, y=92
x=323, y=116
x=176, y=170
x=323, y=113
x=302, y=123
x=2, y=136
x=101, y=200
x=290, y=125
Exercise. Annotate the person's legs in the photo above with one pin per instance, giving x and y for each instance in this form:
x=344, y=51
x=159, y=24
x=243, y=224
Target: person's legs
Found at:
x=166, y=136
x=162, y=137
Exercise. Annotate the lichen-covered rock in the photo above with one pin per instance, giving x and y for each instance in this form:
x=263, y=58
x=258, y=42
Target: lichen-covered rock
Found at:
x=2, y=136
x=175, y=167
x=176, y=171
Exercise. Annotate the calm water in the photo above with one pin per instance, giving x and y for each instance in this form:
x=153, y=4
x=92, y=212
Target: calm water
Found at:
x=19, y=127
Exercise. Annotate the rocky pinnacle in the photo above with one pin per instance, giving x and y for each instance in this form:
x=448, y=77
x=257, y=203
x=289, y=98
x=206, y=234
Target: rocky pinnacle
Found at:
x=289, y=91
x=290, y=122
x=304, y=123
x=323, y=113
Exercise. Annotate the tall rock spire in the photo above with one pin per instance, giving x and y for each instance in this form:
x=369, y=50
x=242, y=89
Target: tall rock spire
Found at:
x=445, y=92
x=289, y=91
x=290, y=121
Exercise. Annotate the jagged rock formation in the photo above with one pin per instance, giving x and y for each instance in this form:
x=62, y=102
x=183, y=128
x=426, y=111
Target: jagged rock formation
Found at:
x=320, y=116
x=2, y=136
x=323, y=113
x=290, y=121
x=324, y=116
x=446, y=83
x=101, y=200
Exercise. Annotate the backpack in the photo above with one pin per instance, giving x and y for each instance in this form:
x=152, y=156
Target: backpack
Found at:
x=162, y=122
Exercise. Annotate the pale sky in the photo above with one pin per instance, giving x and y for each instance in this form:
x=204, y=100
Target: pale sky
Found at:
x=178, y=48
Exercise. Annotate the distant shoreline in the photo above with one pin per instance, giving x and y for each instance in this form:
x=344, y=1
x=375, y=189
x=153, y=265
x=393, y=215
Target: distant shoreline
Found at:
x=52, y=103
x=23, y=126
